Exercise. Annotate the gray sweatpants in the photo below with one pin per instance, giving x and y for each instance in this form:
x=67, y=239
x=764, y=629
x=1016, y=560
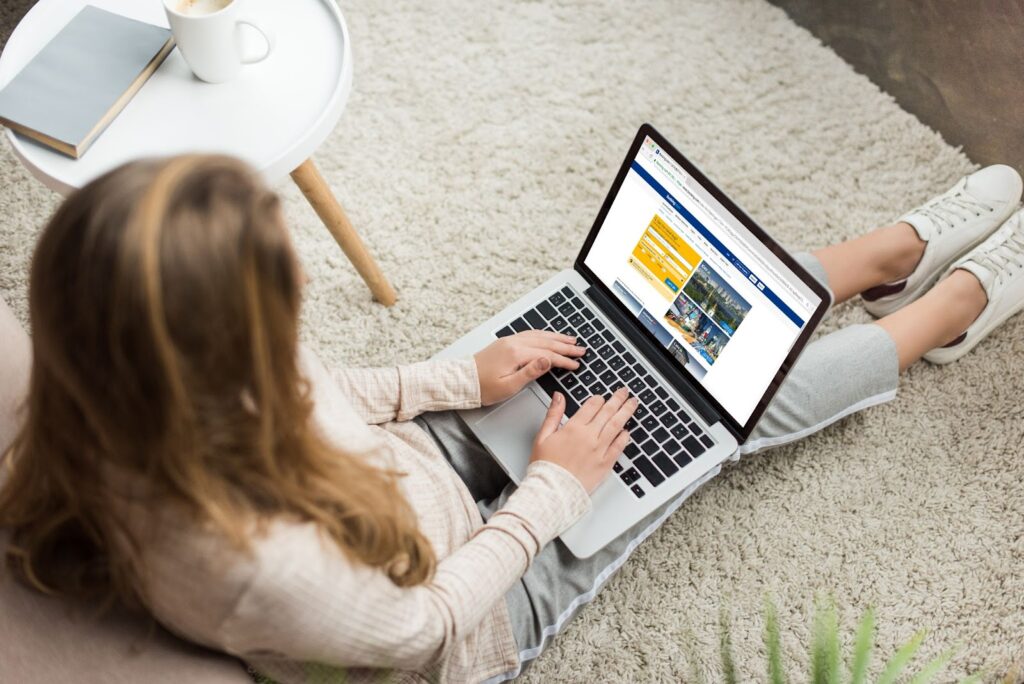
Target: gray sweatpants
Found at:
x=838, y=374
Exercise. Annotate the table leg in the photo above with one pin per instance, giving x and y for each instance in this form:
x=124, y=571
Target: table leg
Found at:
x=318, y=193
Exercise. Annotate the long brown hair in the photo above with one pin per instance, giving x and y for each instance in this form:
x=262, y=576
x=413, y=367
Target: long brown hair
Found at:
x=164, y=303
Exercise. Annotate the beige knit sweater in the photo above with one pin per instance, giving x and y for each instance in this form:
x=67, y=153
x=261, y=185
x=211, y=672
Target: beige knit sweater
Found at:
x=296, y=607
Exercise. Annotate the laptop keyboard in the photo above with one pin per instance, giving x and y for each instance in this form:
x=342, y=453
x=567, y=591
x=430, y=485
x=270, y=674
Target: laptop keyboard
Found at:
x=664, y=436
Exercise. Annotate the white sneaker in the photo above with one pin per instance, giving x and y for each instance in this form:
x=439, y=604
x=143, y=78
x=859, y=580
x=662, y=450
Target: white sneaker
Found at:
x=998, y=263
x=951, y=224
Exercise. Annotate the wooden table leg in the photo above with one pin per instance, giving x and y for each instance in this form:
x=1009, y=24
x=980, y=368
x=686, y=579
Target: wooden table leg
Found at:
x=323, y=201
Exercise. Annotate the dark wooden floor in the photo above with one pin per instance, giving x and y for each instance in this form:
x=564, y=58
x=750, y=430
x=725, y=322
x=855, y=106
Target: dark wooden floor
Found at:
x=958, y=65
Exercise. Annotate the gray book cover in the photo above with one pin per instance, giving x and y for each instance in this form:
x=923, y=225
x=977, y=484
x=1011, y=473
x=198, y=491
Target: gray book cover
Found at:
x=82, y=79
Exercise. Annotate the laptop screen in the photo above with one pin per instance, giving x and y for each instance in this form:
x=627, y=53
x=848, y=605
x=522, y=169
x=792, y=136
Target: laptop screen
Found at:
x=726, y=308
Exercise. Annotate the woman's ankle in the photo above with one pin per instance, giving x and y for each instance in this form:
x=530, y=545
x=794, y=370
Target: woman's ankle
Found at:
x=900, y=251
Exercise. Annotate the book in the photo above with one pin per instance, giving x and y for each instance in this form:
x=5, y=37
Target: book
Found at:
x=82, y=79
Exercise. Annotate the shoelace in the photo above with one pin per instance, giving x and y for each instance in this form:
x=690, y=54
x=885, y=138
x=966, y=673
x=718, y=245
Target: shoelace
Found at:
x=1004, y=257
x=946, y=212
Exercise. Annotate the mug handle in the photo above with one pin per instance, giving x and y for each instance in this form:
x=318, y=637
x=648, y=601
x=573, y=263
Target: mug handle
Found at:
x=267, y=36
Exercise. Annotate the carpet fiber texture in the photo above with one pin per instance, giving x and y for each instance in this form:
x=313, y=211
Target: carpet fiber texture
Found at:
x=476, y=149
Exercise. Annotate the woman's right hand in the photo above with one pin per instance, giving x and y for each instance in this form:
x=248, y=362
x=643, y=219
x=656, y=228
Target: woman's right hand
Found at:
x=589, y=442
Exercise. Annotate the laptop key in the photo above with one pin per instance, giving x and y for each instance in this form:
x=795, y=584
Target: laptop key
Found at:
x=631, y=423
x=546, y=310
x=608, y=335
x=608, y=377
x=665, y=464
x=619, y=347
x=637, y=490
x=588, y=378
x=706, y=441
x=657, y=408
x=550, y=386
x=580, y=393
x=631, y=450
x=669, y=419
x=617, y=467
x=682, y=459
x=650, y=423
x=616, y=362
x=662, y=394
x=693, y=446
x=567, y=291
x=646, y=396
x=672, y=405
x=599, y=366
x=630, y=359
x=599, y=325
x=586, y=329
x=505, y=332
x=570, y=381
x=558, y=323
x=651, y=382
x=671, y=447
x=567, y=309
x=630, y=476
x=638, y=435
x=661, y=434
x=652, y=474
x=650, y=447
x=626, y=374
x=589, y=314
x=598, y=389
x=680, y=431
x=641, y=411
x=520, y=325
x=577, y=319
x=636, y=386
x=556, y=299
x=535, y=320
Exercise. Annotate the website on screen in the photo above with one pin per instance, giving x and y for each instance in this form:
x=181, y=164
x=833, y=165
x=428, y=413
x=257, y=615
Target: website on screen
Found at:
x=724, y=306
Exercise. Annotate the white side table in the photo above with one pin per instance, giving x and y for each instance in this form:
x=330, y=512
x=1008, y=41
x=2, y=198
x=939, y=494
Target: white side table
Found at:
x=274, y=115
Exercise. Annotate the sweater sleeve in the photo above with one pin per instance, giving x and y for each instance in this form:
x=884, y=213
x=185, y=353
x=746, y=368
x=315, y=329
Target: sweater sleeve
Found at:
x=310, y=603
x=380, y=395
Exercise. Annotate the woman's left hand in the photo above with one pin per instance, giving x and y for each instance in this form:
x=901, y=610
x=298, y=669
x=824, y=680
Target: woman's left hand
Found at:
x=510, y=363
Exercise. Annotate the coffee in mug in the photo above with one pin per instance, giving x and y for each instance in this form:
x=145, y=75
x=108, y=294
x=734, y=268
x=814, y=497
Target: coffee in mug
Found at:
x=196, y=8
x=207, y=33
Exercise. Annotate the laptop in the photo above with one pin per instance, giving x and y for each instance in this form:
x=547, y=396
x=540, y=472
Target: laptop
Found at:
x=678, y=295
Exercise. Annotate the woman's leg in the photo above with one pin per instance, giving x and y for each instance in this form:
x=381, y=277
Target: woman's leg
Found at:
x=15, y=366
x=882, y=256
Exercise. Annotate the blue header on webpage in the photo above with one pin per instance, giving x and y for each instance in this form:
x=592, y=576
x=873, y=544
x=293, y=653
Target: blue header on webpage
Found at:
x=730, y=257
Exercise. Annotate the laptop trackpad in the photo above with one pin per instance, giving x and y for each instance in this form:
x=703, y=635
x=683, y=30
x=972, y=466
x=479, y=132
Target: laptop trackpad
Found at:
x=509, y=430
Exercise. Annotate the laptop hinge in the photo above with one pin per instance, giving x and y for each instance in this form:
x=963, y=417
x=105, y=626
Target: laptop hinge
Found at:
x=677, y=377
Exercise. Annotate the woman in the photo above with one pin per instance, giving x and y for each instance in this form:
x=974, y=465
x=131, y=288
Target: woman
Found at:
x=179, y=451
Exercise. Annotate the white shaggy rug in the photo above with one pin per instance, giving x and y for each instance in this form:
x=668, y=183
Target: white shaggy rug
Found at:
x=478, y=144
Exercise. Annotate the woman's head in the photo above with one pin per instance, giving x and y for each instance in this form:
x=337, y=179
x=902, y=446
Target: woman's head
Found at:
x=164, y=303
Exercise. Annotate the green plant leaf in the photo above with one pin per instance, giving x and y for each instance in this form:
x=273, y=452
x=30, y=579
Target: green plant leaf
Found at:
x=825, y=658
x=772, y=642
x=901, y=659
x=725, y=645
x=928, y=672
x=862, y=645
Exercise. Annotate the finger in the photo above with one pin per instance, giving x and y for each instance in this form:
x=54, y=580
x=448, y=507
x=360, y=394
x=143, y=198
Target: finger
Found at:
x=559, y=361
x=618, y=444
x=553, y=418
x=613, y=404
x=588, y=410
x=562, y=348
x=618, y=421
x=533, y=335
x=529, y=371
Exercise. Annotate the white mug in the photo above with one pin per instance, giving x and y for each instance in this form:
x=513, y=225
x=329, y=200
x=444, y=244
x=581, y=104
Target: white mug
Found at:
x=207, y=34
